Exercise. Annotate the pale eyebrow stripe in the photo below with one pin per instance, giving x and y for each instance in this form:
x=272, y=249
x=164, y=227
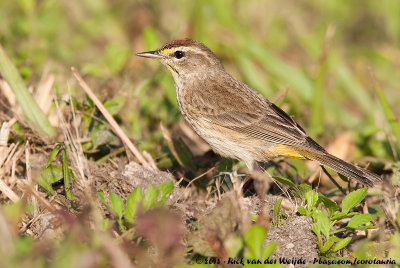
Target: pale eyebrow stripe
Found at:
x=185, y=49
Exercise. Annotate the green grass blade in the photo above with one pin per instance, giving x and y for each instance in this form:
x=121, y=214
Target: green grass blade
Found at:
x=317, y=111
x=283, y=71
x=351, y=86
x=390, y=117
x=67, y=177
x=36, y=118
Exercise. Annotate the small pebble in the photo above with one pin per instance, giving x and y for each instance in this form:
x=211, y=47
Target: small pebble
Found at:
x=290, y=245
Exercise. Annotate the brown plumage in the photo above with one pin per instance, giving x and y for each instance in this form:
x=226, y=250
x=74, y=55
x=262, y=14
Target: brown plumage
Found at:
x=234, y=119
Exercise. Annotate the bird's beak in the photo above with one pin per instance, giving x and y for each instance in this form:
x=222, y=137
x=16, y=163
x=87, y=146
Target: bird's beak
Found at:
x=150, y=54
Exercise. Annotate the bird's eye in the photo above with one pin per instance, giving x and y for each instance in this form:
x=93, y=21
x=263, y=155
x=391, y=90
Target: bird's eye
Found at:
x=179, y=54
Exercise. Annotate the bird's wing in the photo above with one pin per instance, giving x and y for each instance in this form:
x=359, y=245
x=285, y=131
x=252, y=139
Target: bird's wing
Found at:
x=252, y=115
x=269, y=125
x=273, y=125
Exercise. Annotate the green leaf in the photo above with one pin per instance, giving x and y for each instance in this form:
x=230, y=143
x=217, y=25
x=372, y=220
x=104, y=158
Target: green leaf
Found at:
x=269, y=249
x=150, y=197
x=67, y=176
x=358, y=220
x=132, y=203
x=340, y=215
x=311, y=198
x=330, y=205
x=303, y=189
x=328, y=244
x=316, y=227
x=102, y=199
x=53, y=155
x=165, y=189
x=254, y=240
x=338, y=230
x=334, y=239
x=353, y=198
x=286, y=182
x=302, y=210
x=50, y=175
x=324, y=223
x=117, y=205
x=341, y=244
x=277, y=215
x=366, y=227
x=277, y=207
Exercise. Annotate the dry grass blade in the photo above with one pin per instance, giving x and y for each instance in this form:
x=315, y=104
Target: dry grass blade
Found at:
x=150, y=159
x=8, y=93
x=74, y=148
x=42, y=94
x=118, y=130
x=29, y=178
x=29, y=189
x=7, y=190
x=4, y=152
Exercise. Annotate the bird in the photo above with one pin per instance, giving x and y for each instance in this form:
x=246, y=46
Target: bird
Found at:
x=234, y=119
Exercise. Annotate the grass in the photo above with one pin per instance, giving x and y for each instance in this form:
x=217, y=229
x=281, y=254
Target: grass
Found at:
x=333, y=66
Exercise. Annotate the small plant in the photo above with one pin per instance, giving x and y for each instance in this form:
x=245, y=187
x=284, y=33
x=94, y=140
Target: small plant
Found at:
x=248, y=250
x=278, y=216
x=125, y=213
x=255, y=253
x=324, y=221
x=53, y=173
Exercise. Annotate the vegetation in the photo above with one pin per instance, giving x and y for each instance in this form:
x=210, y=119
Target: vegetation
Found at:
x=70, y=198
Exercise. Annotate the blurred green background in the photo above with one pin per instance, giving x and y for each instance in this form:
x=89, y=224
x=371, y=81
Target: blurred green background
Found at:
x=310, y=57
x=315, y=59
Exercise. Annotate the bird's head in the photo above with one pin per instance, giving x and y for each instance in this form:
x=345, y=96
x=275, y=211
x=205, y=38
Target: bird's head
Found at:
x=185, y=58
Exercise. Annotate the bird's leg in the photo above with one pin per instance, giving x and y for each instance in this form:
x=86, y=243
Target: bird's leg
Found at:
x=260, y=180
x=334, y=182
x=261, y=186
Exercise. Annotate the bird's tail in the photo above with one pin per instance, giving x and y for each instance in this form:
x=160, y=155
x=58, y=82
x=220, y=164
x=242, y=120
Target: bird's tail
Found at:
x=360, y=174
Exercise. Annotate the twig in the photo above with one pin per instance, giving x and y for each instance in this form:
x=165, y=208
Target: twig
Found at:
x=4, y=153
x=198, y=177
x=195, y=179
x=29, y=179
x=150, y=159
x=27, y=188
x=118, y=130
x=43, y=93
x=8, y=191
